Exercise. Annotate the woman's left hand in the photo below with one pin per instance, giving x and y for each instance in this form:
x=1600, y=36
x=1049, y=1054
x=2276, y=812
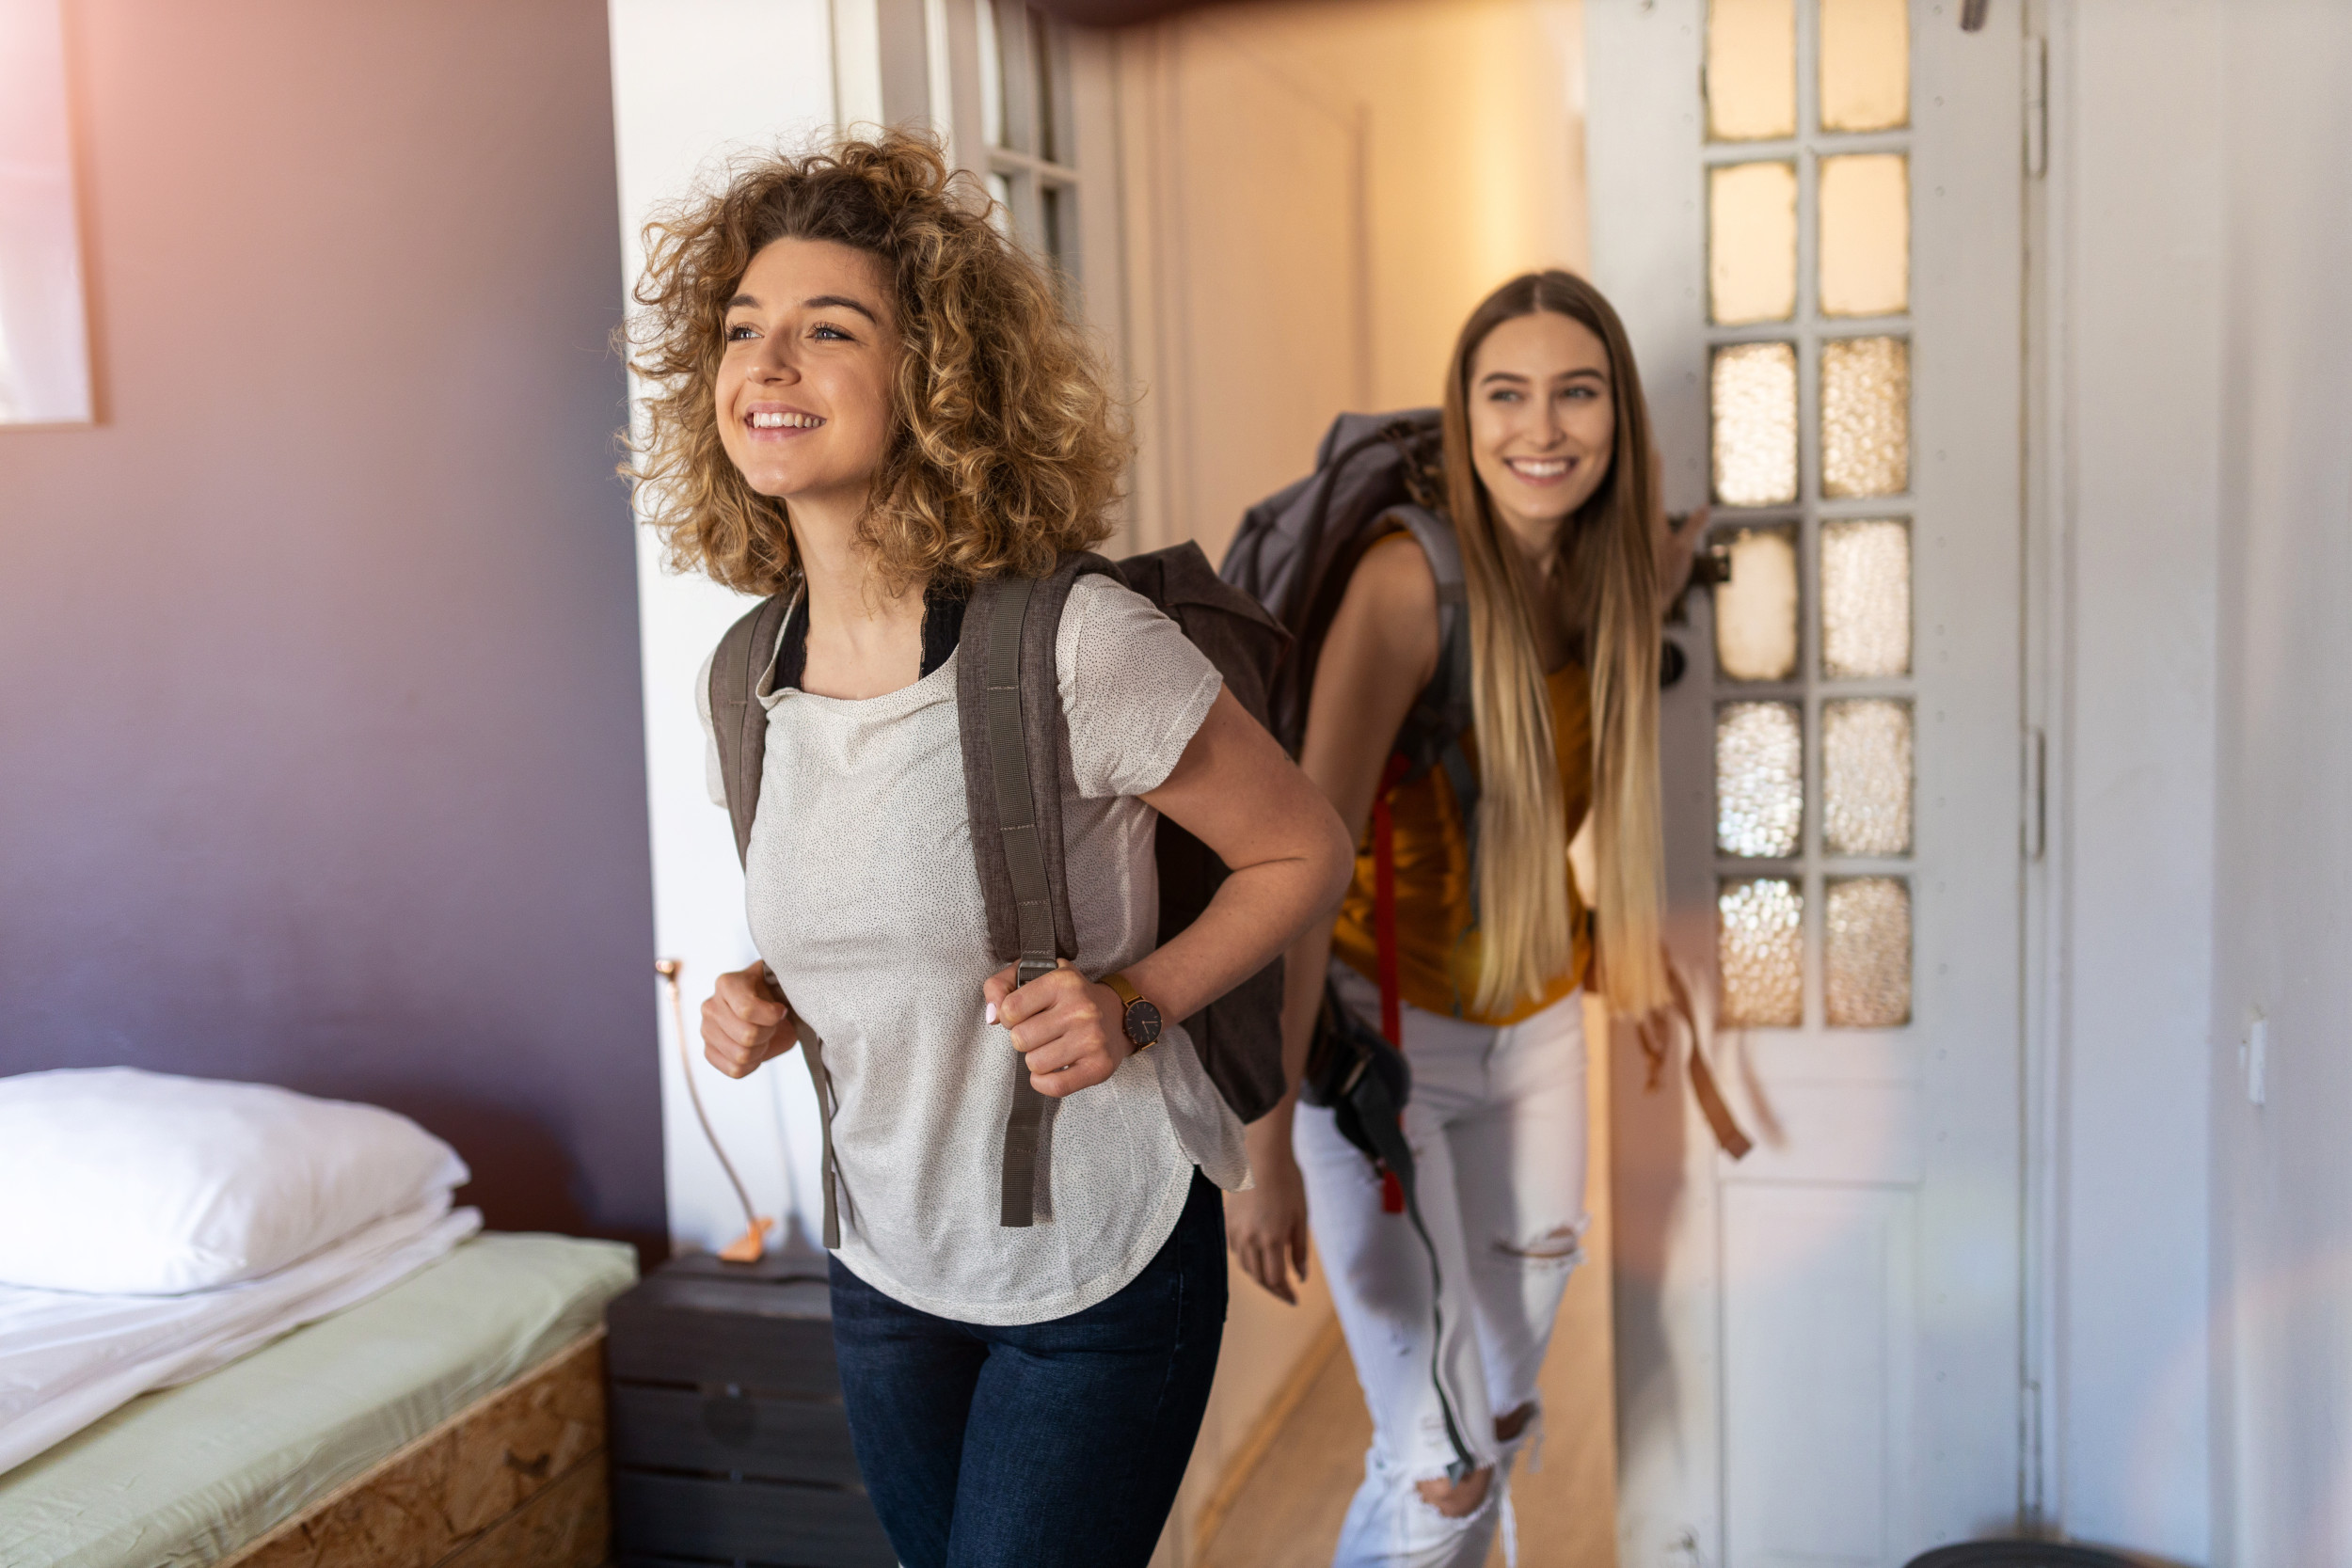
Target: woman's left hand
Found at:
x=1677, y=546
x=1069, y=1032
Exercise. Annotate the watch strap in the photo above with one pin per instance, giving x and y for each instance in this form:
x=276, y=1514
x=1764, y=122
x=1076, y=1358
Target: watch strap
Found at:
x=1128, y=997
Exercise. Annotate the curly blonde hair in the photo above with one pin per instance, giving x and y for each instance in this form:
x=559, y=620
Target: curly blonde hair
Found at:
x=1006, y=446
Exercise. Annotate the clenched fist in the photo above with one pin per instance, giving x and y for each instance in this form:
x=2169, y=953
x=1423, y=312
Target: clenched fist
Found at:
x=1067, y=1030
x=745, y=1022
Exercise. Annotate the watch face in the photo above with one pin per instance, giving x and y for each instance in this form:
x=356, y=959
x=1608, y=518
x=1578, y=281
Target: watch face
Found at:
x=1143, y=1022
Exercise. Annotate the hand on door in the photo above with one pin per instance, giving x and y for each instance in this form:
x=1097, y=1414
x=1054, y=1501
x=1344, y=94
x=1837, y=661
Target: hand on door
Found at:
x=1677, y=546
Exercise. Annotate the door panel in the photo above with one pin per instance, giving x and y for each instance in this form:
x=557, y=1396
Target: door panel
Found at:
x=1818, y=1345
x=1816, y=1316
x=1252, y=327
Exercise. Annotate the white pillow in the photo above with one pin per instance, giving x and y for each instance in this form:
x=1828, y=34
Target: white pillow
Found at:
x=113, y=1179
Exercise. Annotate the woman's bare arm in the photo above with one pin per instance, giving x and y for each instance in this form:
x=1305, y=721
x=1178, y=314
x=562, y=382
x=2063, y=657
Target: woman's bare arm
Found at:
x=1287, y=859
x=1381, y=651
x=1287, y=856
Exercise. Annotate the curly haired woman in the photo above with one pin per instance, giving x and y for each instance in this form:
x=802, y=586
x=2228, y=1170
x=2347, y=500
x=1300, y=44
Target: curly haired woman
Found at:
x=870, y=400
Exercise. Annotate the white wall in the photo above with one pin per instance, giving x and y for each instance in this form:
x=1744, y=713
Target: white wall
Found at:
x=2136, y=263
x=2282, y=1275
x=693, y=80
x=2201, y=235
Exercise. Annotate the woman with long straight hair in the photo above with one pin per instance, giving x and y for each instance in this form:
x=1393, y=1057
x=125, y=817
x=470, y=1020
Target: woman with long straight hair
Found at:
x=1551, y=484
x=871, y=405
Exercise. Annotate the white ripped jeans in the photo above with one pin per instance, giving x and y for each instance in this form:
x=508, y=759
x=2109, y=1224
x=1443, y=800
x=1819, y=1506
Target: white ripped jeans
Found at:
x=1497, y=1127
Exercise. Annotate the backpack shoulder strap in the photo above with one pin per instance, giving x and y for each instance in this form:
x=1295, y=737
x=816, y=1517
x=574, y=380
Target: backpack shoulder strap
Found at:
x=1443, y=707
x=1433, y=729
x=1016, y=752
x=1016, y=764
x=739, y=722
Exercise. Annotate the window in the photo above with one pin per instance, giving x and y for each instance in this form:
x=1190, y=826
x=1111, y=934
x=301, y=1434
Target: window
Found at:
x=1029, y=160
x=1808, y=215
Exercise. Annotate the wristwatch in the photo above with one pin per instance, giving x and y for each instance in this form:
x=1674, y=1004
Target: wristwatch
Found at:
x=1140, y=1020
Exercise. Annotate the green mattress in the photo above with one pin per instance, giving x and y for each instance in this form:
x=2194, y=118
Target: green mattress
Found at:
x=188, y=1475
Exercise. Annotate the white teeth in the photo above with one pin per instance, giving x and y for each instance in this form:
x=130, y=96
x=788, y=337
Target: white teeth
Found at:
x=769, y=419
x=1535, y=468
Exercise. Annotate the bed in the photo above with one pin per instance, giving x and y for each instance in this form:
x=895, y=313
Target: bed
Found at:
x=453, y=1421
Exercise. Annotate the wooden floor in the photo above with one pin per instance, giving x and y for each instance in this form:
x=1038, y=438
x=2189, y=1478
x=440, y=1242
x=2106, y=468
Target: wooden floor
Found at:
x=1287, y=1516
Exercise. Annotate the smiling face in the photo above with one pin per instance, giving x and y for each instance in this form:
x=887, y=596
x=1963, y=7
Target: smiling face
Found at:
x=804, y=391
x=1543, y=422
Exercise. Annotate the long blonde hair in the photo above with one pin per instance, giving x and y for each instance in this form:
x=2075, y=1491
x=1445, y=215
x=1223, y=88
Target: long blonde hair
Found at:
x=1608, y=568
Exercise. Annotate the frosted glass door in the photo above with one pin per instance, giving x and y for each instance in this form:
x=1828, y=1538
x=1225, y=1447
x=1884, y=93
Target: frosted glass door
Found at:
x=1807, y=211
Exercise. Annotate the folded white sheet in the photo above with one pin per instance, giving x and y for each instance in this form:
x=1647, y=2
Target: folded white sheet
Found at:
x=67, y=1358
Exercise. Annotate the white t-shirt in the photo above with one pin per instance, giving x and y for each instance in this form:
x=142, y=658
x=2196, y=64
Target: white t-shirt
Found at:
x=864, y=900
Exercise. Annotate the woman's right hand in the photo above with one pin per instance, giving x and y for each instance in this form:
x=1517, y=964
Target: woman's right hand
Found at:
x=1266, y=1226
x=743, y=1023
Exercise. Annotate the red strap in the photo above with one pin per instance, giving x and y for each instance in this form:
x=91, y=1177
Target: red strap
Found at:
x=1391, y=1192
x=1384, y=902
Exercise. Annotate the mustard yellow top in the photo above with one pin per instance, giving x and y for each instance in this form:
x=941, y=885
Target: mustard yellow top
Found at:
x=1437, y=939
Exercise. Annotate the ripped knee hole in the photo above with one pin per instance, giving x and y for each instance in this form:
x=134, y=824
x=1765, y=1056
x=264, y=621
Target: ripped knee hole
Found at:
x=1563, y=1243
x=1456, y=1499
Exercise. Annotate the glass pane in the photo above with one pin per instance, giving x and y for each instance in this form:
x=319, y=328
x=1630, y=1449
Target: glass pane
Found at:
x=1755, y=424
x=1865, y=417
x=1866, y=777
x=1866, y=65
x=1054, y=201
x=1866, y=235
x=1759, y=949
x=1752, y=243
x=1042, y=70
x=1759, y=778
x=1866, y=961
x=1755, y=613
x=992, y=77
x=1000, y=193
x=1751, y=69
x=1865, y=599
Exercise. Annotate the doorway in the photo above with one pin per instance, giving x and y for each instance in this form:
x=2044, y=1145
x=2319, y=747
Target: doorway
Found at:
x=1315, y=195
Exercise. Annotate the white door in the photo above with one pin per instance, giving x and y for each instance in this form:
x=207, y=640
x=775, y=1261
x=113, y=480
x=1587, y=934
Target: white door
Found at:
x=1809, y=212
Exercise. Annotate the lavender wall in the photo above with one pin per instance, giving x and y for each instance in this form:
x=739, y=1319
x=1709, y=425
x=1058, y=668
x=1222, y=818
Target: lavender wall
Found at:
x=321, y=759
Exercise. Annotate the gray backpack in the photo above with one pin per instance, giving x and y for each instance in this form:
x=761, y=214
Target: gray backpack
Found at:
x=1009, y=703
x=1297, y=548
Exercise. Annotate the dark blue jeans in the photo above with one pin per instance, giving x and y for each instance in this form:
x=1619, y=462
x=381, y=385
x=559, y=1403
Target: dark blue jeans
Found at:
x=1042, y=1444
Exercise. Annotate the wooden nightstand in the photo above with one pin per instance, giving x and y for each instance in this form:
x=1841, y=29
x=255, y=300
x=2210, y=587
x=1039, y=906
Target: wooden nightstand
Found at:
x=728, y=1439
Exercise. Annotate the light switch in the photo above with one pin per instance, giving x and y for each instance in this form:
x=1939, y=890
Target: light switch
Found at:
x=2258, y=1061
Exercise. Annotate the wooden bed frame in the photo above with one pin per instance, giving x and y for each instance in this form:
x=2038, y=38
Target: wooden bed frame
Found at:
x=517, y=1479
